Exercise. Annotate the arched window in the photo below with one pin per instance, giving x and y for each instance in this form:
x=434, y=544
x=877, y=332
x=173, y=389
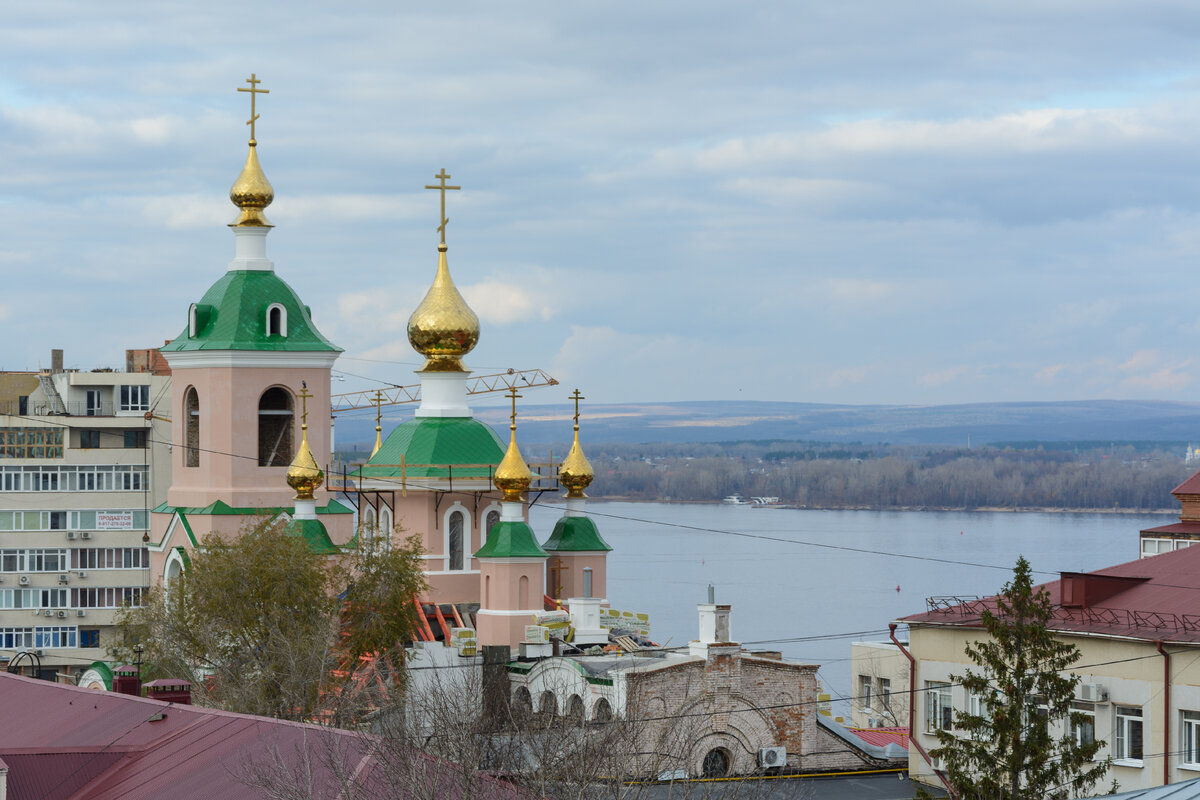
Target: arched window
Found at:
x=546, y=704
x=575, y=709
x=275, y=428
x=276, y=320
x=193, y=327
x=385, y=523
x=716, y=763
x=523, y=593
x=367, y=522
x=487, y=591
x=603, y=711
x=455, y=551
x=522, y=703
x=493, y=517
x=191, y=428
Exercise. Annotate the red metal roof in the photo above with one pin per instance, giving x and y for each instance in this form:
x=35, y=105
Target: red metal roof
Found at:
x=882, y=736
x=1176, y=527
x=1190, y=486
x=1165, y=605
x=65, y=743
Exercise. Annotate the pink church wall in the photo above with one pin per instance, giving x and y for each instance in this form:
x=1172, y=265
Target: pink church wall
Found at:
x=515, y=612
x=572, y=576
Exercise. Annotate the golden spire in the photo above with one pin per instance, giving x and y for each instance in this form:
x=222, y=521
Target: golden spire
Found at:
x=443, y=328
x=512, y=475
x=252, y=191
x=378, y=429
x=304, y=475
x=576, y=472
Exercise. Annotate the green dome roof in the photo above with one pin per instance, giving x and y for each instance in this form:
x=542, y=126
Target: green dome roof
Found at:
x=576, y=534
x=437, y=440
x=232, y=315
x=511, y=540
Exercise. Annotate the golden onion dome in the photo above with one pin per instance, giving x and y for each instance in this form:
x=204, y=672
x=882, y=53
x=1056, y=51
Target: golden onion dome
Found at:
x=252, y=192
x=512, y=475
x=443, y=328
x=304, y=475
x=576, y=471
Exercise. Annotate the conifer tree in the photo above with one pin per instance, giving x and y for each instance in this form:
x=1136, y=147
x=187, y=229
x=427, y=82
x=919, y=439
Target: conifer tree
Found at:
x=1019, y=738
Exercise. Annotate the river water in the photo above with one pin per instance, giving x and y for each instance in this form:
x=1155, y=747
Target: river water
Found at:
x=792, y=574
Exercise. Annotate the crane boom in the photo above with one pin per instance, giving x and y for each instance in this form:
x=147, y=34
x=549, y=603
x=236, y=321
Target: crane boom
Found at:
x=482, y=384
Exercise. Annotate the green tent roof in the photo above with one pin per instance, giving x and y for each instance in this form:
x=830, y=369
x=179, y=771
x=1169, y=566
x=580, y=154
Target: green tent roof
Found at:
x=437, y=440
x=313, y=531
x=232, y=315
x=575, y=534
x=511, y=540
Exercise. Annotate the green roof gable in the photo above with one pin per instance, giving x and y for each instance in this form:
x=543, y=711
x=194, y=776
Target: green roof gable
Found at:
x=232, y=315
x=576, y=534
x=437, y=440
x=313, y=532
x=511, y=540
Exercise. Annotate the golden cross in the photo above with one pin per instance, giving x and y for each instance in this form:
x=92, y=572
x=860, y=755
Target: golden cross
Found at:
x=253, y=90
x=576, y=396
x=513, y=394
x=304, y=395
x=443, y=188
x=378, y=407
x=558, y=569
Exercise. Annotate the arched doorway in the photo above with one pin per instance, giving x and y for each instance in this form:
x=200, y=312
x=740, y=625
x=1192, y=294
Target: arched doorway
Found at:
x=602, y=712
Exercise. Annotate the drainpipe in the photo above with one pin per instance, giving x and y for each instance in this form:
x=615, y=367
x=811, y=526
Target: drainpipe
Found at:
x=912, y=710
x=1166, y=712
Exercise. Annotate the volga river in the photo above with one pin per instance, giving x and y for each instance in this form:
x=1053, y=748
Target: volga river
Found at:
x=795, y=574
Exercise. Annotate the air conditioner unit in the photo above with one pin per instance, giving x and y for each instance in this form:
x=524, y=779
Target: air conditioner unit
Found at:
x=85, y=534
x=81, y=574
x=79, y=612
x=1093, y=693
x=772, y=757
x=64, y=578
x=37, y=612
x=70, y=534
x=23, y=580
x=62, y=615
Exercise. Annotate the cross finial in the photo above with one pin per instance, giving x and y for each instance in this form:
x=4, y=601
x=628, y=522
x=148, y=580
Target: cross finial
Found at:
x=253, y=90
x=576, y=396
x=512, y=393
x=304, y=395
x=378, y=407
x=443, y=188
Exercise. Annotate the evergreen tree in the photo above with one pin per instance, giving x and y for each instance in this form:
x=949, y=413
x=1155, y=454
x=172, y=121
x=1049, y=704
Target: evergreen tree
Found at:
x=1019, y=738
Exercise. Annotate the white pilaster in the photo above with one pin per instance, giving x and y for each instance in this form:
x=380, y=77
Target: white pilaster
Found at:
x=250, y=249
x=576, y=507
x=305, y=509
x=512, y=512
x=444, y=394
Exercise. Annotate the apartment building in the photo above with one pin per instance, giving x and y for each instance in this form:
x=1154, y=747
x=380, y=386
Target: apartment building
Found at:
x=84, y=458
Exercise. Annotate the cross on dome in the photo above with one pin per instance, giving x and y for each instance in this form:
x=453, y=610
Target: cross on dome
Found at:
x=304, y=394
x=253, y=90
x=512, y=393
x=576, y=396
x=443, y=188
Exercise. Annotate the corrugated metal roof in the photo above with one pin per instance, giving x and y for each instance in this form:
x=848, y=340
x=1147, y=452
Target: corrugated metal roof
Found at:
x=1188, y=790
x=65, y=743
x=1164, y=605
x=882, y=737
x=1177, y=527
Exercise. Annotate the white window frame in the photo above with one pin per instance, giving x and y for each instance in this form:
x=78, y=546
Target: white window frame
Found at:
x=128, y=403
x=1088, y=709
x=483, y=529
x=1125, y=719
x=283, y=325
x=864, y=691
x=1189, y=739
x=939, y=713
x=466, y=538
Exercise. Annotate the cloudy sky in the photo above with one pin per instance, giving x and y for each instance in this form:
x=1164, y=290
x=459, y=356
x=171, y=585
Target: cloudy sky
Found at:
x=923, y=202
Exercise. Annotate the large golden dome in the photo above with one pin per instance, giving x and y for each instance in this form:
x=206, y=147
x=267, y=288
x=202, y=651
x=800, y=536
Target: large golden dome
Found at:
x=576, y=471
x=443, y=328
x=304, y=475
x=252, y=192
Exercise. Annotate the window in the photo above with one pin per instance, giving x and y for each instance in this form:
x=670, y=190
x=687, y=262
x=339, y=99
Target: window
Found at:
x=89, y=440
x=276, y=320
x=1083, y=723
x=89, y=637
x=937, y=706
x=1127, y=734
x=54, y=637
x=135, y=398
x=885, y=693
x=191, y=432
x=135, y=439
x=492, y=519
x=1189, y=733
x=977, y=705
x=31, y=442
x=864, y=691
x=456, y=540
x=275, y=428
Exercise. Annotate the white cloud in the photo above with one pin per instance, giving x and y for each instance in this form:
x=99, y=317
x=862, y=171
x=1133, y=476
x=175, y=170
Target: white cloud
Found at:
x=1048, y=374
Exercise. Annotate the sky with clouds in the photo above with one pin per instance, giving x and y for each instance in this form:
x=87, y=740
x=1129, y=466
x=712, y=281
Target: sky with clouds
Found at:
x=876, y=202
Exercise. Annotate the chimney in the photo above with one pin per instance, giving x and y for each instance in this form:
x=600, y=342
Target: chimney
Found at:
x=56, y=361
x=170, y=690
x=714, y=627
x=125, y=678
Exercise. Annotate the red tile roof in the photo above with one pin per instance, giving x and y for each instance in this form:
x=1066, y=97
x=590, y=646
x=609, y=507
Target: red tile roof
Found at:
x=65, y=743
x=882, y=737
x=1164, y=605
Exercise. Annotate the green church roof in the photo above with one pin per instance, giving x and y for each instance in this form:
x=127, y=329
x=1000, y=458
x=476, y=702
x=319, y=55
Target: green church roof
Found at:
x=576, y=534
x=313, y=532
x=232, y=315
x=511, y=540
x=438, y=441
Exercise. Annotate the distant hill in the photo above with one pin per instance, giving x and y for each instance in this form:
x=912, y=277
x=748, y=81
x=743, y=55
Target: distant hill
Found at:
x=727, y=421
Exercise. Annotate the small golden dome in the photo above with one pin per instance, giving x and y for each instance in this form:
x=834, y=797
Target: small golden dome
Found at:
x=251, y=193
x=512, y=475
x=576, y=471
x=443, y=328
x=304, y=475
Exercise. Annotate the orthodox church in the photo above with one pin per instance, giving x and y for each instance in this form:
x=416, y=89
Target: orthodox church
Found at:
x=252, y=406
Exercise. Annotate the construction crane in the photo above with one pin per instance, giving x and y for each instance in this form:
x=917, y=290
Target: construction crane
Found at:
x=482, y=384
